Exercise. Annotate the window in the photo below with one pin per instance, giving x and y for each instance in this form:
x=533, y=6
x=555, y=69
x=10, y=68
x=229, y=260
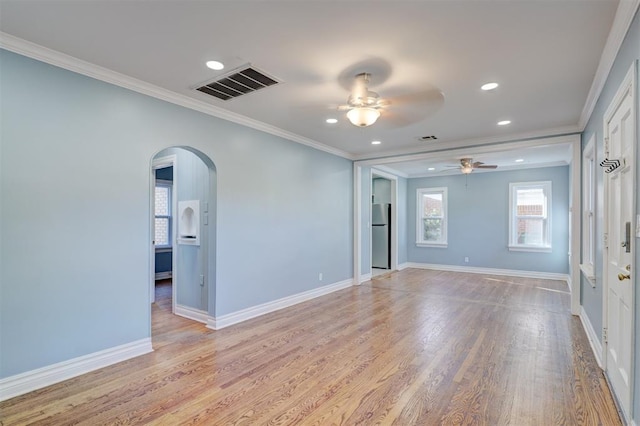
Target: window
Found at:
x=432, y=217
x=588, y=210
x=163, y=214
x=530, y=216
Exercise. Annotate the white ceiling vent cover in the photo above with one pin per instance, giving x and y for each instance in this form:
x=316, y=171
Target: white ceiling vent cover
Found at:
x=239, y=82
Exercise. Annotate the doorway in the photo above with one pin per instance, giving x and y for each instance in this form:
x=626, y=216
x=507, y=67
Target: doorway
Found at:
x=619, y=195
x=183, y=230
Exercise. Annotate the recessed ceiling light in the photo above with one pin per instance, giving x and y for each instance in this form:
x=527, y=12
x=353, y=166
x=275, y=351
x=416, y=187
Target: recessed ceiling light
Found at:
x=331, y=120
x=375, y=142
x=519, y=160
x=431, y=169
x=215, y=65
x=489, y=86
x=504, y=122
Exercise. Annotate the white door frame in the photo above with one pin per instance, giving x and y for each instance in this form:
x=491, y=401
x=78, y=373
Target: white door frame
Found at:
x=161, y=163
x=627, y=86
x=394, y=218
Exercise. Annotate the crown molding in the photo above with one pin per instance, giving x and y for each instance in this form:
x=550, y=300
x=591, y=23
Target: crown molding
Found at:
x=70, y=63
x=624, y=17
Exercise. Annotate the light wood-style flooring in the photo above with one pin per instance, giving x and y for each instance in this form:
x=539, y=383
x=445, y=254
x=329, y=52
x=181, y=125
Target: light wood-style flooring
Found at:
x=416, y=347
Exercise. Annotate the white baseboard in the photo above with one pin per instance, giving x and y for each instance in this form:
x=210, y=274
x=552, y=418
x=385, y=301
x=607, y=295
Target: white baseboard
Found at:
x=402, y=266
x=366, y=277
x=192, y=313
x=594, y=339
x=265, y=308
x=35, y=379
x=163, y=275
x=490, y=271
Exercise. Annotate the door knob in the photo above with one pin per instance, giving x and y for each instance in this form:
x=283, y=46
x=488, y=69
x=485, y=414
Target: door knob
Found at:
x=622, y=276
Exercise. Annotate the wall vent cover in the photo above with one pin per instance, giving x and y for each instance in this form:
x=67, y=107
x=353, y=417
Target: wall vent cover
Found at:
x=240, y=82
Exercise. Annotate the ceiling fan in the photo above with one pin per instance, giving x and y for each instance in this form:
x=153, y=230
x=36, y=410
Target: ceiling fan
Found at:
x=467, y=165
x=363, y=106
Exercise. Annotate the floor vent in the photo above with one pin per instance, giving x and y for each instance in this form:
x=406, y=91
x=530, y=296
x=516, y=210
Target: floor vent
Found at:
x=239, y=83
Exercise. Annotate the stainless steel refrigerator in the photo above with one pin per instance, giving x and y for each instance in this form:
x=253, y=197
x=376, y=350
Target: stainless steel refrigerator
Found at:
x=381, y=236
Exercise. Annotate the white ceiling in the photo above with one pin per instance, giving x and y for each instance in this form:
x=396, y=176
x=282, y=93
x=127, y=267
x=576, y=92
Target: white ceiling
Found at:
x=544, y=54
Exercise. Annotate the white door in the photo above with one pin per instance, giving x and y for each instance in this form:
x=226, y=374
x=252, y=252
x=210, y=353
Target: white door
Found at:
x=619, y=129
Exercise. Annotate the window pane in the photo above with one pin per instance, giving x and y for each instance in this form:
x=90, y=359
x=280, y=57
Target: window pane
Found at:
x=530, y=202
x=531, y=231
x=432, y=229
x=162, y=201
x=162, y=231
x=432, y=205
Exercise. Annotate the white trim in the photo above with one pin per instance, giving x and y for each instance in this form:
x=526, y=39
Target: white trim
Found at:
x=170, y=160
x=357, y=221
x=589, y=274
x=621, y=23
x=402, y=266
x=162, y=275
x=391, y=172
x=20, y=384
x=216, y=323
x=366, y=277
x=49, y=56
x=575, y=217
x=594, y=340
x=420, y=241
x=491, y=271
x=492, y=140
x=192, y=313
x=444, y=153
x=546, y=187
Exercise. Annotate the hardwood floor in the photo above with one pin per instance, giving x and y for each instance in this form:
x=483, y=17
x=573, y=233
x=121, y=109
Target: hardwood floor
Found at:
x=415, y=347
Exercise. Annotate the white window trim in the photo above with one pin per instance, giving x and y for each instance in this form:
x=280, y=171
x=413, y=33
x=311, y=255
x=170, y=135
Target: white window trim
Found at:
x=588, y=211
x=420, y=208
x=168, y=184
x=513, y=238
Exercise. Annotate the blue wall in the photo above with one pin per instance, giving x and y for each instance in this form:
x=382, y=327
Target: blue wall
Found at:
x=478, y=217
x=592, y=297
x=74, y=267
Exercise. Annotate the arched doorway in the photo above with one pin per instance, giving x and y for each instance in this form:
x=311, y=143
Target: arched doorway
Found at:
x=183, y=230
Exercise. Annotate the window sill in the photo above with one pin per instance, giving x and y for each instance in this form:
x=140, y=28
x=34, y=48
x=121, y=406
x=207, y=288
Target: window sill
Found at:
x=436, y=245
x=589, y=274
x=534, y=249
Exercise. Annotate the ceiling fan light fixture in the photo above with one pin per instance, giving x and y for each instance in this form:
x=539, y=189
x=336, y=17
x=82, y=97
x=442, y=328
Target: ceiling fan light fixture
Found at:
x=363, y=116
x=466, y=169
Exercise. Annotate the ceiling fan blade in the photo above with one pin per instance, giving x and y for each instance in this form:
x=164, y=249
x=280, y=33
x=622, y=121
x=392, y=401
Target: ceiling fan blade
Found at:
x=478, y=163
x=488, y=166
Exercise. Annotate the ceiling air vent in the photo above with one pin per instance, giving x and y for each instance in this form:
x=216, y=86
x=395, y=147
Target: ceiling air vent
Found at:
x=246, y=80
x=427, y=138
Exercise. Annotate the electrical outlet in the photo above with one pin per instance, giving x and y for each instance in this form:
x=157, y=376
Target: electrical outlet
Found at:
x=466, y=260
x=320, y=276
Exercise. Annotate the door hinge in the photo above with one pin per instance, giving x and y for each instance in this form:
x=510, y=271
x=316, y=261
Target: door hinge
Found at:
x=605, y=336
x=605, y=240
x=606, y=147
